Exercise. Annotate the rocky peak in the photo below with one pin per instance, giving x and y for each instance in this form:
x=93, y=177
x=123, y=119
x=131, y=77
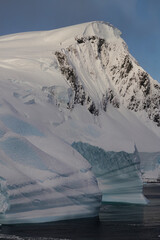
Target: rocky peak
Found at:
x=101, y=71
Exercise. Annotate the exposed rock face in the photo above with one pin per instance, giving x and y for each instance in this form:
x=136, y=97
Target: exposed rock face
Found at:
x=69, y=73
x=136, y=88
x=81, y=97
x=128, y=83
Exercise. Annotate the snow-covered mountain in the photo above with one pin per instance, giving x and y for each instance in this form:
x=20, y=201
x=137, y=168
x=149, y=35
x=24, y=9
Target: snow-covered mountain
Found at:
x=66, y=89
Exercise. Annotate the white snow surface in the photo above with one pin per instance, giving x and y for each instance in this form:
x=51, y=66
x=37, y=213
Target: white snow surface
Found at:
x=39, y=121
x=28, y=63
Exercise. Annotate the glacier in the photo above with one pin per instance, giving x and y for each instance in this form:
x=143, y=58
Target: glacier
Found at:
x=79, y=85
x=118, y=173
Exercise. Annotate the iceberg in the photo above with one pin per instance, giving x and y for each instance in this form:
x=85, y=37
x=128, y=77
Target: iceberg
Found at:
x=150, y=165
x=37, y=187
x=118, y=173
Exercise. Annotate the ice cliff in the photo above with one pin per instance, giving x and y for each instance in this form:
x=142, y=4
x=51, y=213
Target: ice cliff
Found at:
x=38, y=187
x=118, y=173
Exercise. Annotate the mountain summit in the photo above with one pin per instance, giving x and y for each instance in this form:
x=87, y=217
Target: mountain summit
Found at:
x=95, y=63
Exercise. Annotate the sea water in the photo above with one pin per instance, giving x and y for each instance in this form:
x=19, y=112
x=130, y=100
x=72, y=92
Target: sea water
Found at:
x=116, y=221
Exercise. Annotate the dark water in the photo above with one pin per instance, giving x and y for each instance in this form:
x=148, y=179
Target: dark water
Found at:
x=116, y=222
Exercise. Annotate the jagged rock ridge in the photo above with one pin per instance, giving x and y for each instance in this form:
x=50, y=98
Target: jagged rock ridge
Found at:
x=129, y=85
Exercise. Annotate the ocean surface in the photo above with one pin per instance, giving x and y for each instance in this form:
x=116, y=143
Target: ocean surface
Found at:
x=116, y=222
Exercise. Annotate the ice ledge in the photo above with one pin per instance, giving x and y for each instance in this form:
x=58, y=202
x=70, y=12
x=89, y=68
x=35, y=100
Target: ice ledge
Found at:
x=117, y=173
x=49, y=215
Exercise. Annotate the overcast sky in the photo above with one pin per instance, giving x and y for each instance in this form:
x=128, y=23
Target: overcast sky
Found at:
x=138, y=20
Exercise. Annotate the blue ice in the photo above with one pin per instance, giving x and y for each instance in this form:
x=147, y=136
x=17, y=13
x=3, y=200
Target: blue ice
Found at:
x=117, y=173
x=21, y=152
x=20, y=127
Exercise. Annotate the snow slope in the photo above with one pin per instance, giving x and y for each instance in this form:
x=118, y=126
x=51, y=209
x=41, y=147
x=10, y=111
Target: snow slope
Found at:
x=74, y=67
x=76, y=84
